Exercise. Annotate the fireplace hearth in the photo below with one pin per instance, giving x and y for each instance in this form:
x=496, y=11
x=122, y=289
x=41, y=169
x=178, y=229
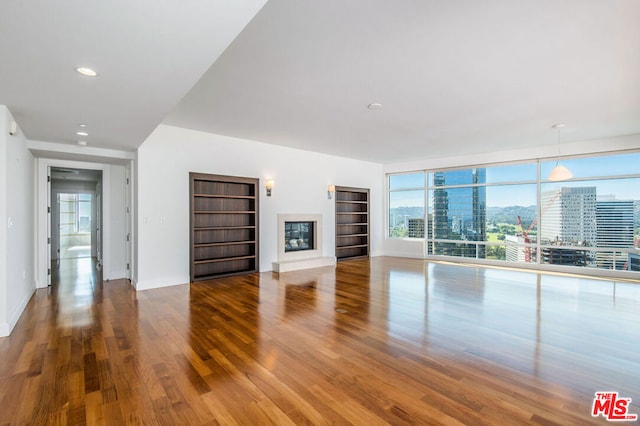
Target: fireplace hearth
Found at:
x=300, y=243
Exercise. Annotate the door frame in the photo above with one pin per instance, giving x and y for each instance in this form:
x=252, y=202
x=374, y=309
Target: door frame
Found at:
x=43, y=250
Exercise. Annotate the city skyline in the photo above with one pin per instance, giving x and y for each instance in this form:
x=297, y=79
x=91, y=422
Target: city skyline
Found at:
x=589, y=220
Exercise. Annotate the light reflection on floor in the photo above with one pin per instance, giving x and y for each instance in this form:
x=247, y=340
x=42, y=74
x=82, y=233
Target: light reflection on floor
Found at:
x=75, y=252
x=74, y=280
x=521, y=310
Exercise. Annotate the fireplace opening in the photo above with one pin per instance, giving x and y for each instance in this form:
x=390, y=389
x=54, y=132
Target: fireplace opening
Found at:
x=298, y=236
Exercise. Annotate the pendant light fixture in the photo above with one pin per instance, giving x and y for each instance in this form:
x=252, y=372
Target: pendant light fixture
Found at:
x=559, y=172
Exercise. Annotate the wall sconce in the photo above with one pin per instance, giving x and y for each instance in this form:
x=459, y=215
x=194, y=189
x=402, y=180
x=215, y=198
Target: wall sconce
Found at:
x=269, y=185
x=331, y=189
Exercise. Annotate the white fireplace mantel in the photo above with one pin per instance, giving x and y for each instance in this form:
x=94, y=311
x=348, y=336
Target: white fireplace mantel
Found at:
x=295, y=260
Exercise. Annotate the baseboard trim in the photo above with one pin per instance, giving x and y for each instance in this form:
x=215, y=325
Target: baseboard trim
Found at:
x=7, y=327
x=296, y=265
x=151, y=284
x=403, y=254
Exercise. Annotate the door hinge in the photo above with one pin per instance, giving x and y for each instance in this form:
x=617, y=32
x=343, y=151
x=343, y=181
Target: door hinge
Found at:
x=127, y=266
x=48, y=240
x=127, y=181
x=49, y=271
x=128, y=236
x=48, y=178
x=48, y=209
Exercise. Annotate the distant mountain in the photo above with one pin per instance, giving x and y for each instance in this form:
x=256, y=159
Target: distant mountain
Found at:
x=494, y=214
x=509, y=214
x=407, y=211
x=500, y=214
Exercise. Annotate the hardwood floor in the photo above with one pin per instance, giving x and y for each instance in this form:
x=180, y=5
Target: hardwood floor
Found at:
x=380, y=341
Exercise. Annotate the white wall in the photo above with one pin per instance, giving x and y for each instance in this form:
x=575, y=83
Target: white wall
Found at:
x=16, y=223
x=300, y=186
x=4, y=118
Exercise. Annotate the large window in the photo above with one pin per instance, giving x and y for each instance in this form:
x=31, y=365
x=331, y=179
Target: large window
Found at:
x=75, y=213
x=593, y=220
x=406, y=205
x=513, y=213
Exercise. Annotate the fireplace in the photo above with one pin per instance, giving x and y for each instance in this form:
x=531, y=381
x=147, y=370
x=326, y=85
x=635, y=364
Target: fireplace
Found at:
x=299, y=236
x=300, y=243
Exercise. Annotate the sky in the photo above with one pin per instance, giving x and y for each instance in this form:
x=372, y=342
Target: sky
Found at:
x=525, y=194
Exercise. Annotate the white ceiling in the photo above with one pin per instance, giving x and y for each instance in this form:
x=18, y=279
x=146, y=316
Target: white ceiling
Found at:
x=457, y=76
x=148, y=54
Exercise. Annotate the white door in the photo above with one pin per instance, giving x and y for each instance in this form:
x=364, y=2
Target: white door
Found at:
x=128, y=218
x=49, y=226
x=56, y=228
x=99, y=225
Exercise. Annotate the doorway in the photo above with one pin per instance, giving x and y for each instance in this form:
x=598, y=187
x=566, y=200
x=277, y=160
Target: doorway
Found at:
x=113, y=230
x=75, y=219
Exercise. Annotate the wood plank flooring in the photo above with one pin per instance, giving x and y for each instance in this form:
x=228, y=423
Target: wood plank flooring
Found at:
x=380, y=341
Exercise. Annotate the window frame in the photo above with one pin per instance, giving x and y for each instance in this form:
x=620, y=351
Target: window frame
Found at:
x=539, y=183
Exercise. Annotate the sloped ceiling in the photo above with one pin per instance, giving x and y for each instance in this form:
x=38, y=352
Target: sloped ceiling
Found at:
x=452, y=77
x=148, y=54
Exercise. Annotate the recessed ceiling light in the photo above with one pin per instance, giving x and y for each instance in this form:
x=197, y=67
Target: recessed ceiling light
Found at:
x=86, y=71
x=82, y=125
x=374, y=105
x=82, y=133
x=558, y=126
x=82, y=143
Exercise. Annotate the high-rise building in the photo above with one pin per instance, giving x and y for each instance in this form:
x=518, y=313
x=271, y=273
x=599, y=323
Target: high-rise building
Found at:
x=568, y=219
x=569, y=216
x=513, y=249
x=614, y=229
x=416, y=228
x=460, y=213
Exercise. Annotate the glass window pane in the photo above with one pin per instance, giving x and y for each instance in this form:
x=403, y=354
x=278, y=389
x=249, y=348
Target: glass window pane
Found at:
x=602, y=214
x=84, y=213
x=406, y=214
x=501, y=197
x=556, y=255
x=496, y=174
x=512, y=173
x=486, y=213
x=610, y=165
x=457, y=177
x=517, y=251
x=447, y=248
x=68, y=214
x=511, y=216
x=459, y=213
x=406, y=181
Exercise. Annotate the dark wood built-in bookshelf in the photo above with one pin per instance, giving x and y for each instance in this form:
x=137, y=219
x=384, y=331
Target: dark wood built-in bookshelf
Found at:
x=224, y=225
x=352, y=222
